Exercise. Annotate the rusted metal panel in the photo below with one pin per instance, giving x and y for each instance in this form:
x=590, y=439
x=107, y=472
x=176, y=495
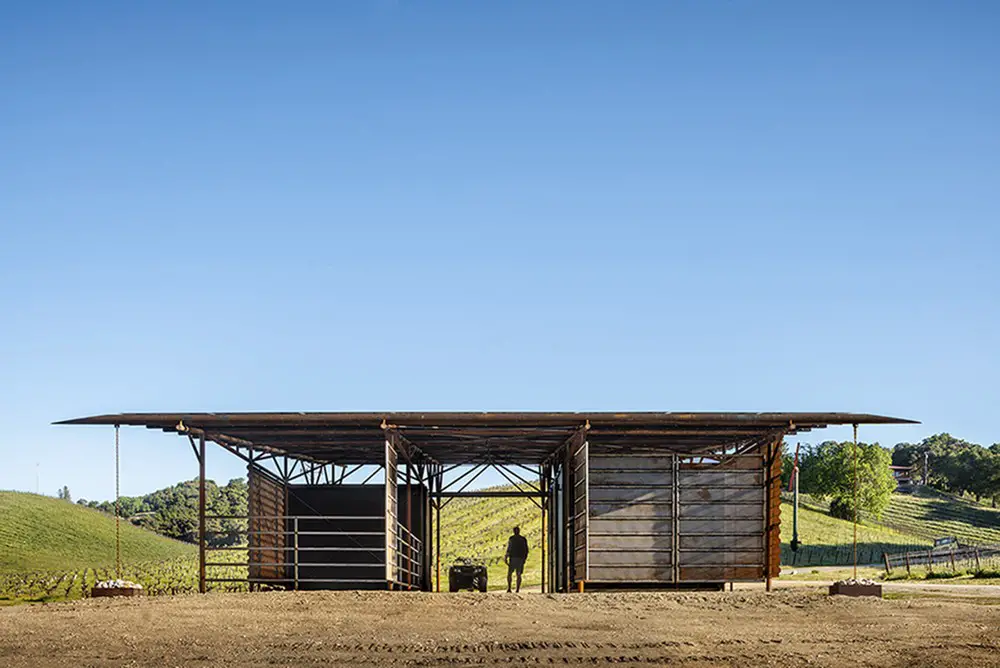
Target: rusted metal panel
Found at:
x=720, y=511
x=631, y=495
x=721, y=502
x=721, y=573
x=647, y=479
x=721, y=478
x=629, y=558
x=658, y=541
x=718, y=541
x=650, y=573
x=618, y=526
x=629, y=510
x=624, y=462
x=753, y=495
x=723, y=557
x=710, y=526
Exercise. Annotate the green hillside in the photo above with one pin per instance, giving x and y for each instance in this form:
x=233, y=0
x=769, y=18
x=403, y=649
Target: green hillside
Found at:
x=828, y=541
x=44, y=533
x=930, y=514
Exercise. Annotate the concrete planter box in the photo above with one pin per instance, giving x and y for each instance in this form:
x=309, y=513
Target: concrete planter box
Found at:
x=115, y=591
x=846, y=589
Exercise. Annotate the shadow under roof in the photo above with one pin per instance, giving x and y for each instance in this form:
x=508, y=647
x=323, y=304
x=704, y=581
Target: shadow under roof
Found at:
x=458, y=437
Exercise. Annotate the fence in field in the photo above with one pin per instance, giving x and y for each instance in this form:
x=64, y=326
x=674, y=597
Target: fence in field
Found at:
x=972, y=558
x=834, y=555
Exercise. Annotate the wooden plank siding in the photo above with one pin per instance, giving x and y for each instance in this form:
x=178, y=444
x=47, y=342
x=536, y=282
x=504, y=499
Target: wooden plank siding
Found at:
x=631, y=518
x=774, y=511
x=679, y=518
x=267, y=498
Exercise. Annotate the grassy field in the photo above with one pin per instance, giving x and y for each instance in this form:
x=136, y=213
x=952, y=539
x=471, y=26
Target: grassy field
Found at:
x=41, y=533
x=827, y=541
x=52, y=550
x=928, y=514
x=931, y=515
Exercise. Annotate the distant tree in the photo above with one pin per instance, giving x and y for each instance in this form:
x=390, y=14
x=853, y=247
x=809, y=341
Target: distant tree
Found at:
x=827, y=471
x=907, y=454
x=173, y=511
x=787, y=465
x=64, y=494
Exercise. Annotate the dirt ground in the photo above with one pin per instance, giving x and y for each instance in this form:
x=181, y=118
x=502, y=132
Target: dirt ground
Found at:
x=792, y=627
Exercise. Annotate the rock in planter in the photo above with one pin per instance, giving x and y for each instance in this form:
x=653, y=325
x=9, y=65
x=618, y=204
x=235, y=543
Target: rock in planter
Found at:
x=116, y=588
x=852, y=587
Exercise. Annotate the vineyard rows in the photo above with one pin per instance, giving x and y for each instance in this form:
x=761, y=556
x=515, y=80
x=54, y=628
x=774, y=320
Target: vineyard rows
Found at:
x=928, y=516
x=174, y=576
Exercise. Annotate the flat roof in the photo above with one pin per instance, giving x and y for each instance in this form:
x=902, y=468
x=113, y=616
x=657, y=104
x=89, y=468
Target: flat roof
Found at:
x=464, y=437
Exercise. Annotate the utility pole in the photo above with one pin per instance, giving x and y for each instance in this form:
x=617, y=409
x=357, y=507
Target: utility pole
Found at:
x=927, y=454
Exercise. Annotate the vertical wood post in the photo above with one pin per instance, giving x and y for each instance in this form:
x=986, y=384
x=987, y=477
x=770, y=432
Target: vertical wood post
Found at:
x=201, y=513
x=885, y=557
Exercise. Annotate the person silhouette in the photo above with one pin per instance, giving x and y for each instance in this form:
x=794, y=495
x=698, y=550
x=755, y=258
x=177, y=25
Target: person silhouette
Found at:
x=517, y=553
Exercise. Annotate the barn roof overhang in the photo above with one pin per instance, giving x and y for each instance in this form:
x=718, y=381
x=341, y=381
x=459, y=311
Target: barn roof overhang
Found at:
x=454, y=438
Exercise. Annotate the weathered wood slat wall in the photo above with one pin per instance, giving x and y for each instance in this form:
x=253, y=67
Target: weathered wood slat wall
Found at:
x=631, y=518
x=267, y=498
x=672, y=519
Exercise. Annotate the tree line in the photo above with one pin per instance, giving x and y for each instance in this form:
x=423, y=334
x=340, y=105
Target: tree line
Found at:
x=954, y=465
x=826, y=471
x=173, y=511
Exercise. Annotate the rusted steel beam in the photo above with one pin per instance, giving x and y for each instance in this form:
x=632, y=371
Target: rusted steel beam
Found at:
x=489, y=495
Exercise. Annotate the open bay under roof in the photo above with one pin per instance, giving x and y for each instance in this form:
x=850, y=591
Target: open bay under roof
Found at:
x=455, y=438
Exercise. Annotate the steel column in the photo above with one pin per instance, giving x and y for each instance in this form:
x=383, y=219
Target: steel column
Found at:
x=545, y=503
x=437, y=529
x=201, y=513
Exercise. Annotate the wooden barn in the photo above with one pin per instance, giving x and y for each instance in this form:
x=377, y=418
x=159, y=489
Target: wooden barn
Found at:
x=353, y=500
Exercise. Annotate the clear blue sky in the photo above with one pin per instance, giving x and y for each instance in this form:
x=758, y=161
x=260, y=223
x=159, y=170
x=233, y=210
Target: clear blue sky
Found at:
x=486, y=206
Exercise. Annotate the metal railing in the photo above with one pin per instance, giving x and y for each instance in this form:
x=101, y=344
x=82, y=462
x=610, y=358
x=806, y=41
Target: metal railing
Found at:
x=286, y=557
x=409, y=557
